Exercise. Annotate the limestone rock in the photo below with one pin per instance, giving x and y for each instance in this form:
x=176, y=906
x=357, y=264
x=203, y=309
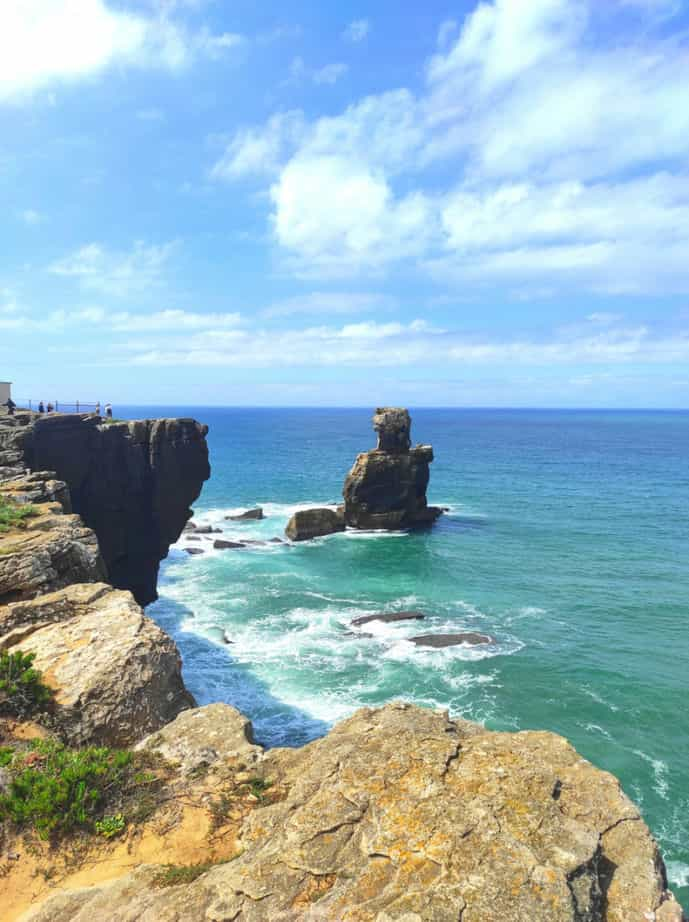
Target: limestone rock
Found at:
x=131, y=482
x=117, y=675
x=401, y=815
x=314, y=523
x=199, y=737
x=50, y=551
x=386, y=487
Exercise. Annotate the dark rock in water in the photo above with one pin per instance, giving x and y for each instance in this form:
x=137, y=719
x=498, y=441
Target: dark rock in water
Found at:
x=226, y=638
x=208, y=530
x=314, y=523
x=192, y=538
x=386, y=488
x=451, y=640
x=246, y=516
x=221, y=543
x=276, y=541
x=194, y=550
x=389, y=617
x=190, y=526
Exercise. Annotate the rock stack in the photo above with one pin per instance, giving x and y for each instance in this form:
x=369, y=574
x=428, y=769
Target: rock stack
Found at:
x=386, y=488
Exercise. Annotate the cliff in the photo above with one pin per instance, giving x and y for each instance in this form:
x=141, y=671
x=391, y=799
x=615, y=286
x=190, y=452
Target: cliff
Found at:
x=386, y=488
x=399, y=814
x=132, y=483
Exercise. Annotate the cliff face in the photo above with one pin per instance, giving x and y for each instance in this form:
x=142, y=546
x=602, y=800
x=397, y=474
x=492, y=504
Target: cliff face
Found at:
x=386, y=488
x=131, y=482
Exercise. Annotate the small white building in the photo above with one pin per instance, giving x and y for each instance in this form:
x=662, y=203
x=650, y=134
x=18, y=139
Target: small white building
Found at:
x=5, y=394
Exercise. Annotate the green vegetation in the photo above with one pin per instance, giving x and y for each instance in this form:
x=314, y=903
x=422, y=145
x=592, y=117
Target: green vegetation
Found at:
x=6, y=756
x=55, y=791
x=171, y=875
x=110, y=826
x=22, y=690
x=259, y=786
x=13, y=515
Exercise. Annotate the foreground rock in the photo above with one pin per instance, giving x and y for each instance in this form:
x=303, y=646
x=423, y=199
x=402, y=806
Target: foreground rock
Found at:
x=49, y=551
x=386, y=488
x=131, y=482
x=314, y=523
x=116, y=674
x=400, y=814
x=390, y=617
x=451, y=640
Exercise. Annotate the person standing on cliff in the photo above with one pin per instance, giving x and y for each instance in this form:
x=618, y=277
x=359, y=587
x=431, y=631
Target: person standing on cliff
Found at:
x=108, y=410
x=11, y=405
x=41, y=407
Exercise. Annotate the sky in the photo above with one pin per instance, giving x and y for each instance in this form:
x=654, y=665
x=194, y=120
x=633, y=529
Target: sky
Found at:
x=300, y=203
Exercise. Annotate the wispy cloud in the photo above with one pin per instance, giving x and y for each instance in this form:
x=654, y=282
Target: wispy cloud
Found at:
x=357, y=30
x=121, y=274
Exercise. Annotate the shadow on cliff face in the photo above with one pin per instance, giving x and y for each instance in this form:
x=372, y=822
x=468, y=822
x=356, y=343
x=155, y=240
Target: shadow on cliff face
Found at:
x=212, y=674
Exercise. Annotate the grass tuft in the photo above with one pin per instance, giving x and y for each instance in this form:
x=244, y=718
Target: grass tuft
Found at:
x=13, y=515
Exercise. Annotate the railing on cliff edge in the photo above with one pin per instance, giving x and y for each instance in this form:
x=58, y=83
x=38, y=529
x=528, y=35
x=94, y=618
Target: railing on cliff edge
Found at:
x=60, y=406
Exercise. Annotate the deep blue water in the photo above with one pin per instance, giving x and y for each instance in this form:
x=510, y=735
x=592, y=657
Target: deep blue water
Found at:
x=567, y=540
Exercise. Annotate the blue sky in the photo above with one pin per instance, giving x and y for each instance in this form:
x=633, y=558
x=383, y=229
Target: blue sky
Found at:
x=357, y=203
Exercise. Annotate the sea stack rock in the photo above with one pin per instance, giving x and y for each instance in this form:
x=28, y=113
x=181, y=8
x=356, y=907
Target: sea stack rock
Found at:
x=386, y=488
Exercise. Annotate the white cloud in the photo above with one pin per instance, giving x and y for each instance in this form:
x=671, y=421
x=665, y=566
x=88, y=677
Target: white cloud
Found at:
x=357, y=30
x=373, y=344
x=116, y=273
x=335, y=215
x=330, y=302
x=43, y=42
x=329, y=74
x=261, y=150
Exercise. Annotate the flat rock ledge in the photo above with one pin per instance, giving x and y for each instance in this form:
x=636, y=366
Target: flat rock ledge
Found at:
x=116, y=674
x=402, y=815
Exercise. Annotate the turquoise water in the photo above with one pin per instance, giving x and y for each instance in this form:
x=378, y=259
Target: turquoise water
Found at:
x=567, y=540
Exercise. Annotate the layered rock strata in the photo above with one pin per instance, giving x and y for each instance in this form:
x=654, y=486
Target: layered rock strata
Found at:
x=314, y=523
x=386, y=487
x=131, y=482
x=401, y=814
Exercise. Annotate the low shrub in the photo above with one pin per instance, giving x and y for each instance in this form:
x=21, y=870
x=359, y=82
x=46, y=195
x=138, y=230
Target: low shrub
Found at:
x=22, y=690
x=172, y=875
x=13, y=515
x=55, y=790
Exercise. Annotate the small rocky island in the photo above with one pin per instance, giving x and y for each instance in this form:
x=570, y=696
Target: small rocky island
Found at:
x=385, y=489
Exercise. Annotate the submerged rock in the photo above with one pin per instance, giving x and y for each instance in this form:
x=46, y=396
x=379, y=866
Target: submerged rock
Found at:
x=249, y=515
x=402, y=815
x=314, y=523
x=194, y=550
x=386, y=487
x=221, y=544
x=451, y=640
x=207, y=530
x=390, y=617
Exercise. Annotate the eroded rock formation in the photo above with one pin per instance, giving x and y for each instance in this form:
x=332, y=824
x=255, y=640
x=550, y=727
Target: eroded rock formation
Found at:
x=401, y=814
x=386, y=488
x=131, y=482
x=314, y=523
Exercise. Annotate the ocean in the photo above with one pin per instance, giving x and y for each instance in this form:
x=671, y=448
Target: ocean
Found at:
x=566, y=539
